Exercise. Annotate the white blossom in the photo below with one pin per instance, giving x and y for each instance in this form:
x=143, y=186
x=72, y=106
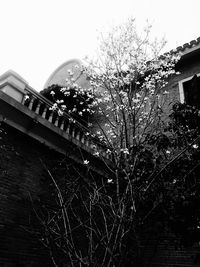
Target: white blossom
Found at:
x=165, y=92
x=86, y=162
x=195, y=146
x=60, y=112
x=125, y=151
x=52, y=93
x=26, y=97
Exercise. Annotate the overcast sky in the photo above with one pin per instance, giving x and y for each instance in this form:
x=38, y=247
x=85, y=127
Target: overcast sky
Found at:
x=39, y=35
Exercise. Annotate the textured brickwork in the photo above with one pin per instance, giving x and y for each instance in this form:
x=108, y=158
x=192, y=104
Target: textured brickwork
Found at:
x=22, y=178
x=165, y=250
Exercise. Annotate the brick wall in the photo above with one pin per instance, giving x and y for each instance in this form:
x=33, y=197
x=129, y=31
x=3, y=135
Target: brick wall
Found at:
x=24, y=185
x=22, y=177
x=160, y=248
x=165, y=250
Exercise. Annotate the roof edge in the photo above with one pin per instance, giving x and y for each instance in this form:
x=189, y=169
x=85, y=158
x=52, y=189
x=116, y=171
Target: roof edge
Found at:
x=78, y=61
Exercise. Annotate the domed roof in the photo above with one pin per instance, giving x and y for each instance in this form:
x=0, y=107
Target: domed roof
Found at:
x=61, y=73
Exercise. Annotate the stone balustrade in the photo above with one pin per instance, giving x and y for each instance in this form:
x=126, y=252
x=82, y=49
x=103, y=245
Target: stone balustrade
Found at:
x=42, y=107
x=30, y=112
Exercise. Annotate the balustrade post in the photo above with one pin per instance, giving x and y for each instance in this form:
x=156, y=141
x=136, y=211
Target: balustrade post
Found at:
x=24, y=99
x=56, y=122
x=68, y=128
x=62, y=124
x=44, y=113
x=83, y=139
x=38, y=107
x=78, y=135
x=73, y=132
x=50, y=117
x=30, y=106
x=87, y=142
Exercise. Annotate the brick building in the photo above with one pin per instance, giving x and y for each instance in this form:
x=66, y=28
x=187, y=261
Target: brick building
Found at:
x=188, y=66
x=31, y=133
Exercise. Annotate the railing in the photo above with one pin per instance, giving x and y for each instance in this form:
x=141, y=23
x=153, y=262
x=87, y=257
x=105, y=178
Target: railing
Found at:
x=41, y=106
